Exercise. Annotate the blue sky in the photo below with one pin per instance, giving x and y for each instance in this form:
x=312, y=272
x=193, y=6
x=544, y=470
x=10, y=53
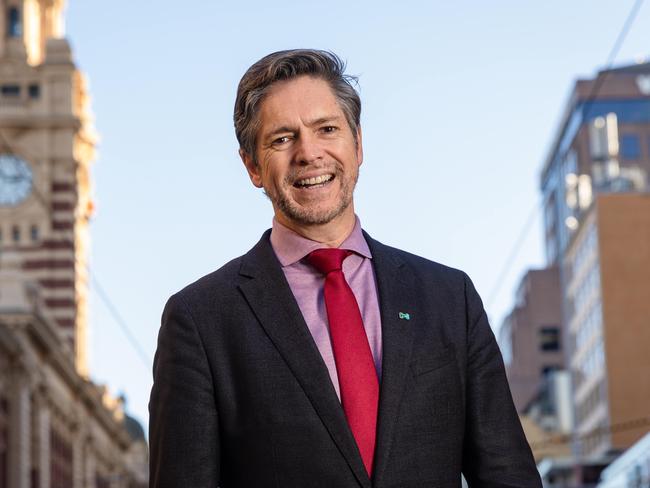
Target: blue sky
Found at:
x=460, y=103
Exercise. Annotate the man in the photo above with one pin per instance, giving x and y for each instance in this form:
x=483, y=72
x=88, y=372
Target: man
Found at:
x=322, y=358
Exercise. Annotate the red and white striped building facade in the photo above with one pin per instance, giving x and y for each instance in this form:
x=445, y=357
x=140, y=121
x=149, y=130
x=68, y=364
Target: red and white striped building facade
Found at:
x=57, y=429
x=45, y=122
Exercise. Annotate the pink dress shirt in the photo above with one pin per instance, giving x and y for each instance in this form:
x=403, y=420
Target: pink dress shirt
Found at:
x=307, y=283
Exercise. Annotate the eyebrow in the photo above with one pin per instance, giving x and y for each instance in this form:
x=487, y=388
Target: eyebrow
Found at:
x=324, y=120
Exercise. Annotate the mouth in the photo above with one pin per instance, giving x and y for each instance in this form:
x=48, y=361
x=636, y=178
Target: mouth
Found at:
x=314, y=182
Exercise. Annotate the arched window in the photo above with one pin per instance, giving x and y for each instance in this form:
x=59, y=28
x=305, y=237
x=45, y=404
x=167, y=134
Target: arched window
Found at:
x=15, y=28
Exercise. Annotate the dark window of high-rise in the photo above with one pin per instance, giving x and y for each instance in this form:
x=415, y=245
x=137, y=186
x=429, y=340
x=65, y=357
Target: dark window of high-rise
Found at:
x=549, y=339
x=34, y=91
x=10, y=90
x=14, y=26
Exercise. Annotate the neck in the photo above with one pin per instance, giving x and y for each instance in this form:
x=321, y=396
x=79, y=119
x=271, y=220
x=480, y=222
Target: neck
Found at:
x=331, y=234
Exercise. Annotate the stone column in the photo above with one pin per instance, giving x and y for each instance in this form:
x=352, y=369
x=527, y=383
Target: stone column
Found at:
x=43, y=444
x=91, y=465
x=78, y=458
x=19, y=432
x=117, y=479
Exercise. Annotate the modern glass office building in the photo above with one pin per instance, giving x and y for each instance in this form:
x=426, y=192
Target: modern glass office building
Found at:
x=602, y=145
x=596, y=197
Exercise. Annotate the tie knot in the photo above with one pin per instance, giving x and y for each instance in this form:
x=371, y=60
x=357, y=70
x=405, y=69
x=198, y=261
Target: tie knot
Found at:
x=328, y=260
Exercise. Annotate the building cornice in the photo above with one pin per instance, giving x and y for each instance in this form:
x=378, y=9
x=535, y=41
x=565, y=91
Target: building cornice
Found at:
x=51, y=349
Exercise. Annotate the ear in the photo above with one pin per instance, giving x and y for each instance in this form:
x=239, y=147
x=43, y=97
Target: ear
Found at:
x=359, y=146
x=252, y=168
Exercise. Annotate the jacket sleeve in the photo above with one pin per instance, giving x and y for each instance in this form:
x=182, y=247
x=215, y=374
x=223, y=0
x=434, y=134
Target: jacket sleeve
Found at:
x=183, y=422
x=495, y=451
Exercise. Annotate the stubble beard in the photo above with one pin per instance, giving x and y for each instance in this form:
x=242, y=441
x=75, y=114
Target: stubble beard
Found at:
x=313, y=216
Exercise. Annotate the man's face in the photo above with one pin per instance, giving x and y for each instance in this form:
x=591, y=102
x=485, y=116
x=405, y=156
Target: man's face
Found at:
x=307, y=157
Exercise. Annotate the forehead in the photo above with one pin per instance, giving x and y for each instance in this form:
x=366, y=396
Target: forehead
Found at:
x=299, y=99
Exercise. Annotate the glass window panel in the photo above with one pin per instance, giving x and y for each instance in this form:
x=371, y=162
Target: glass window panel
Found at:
x=14, y=26
x=34, y=91
x=630, y=146
x=10, y=90
x=549, y=338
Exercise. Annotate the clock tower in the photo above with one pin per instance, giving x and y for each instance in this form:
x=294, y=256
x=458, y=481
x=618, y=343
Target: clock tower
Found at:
x=47, y=142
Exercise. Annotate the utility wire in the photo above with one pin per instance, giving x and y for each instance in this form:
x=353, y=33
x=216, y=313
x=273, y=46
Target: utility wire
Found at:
x=613, y=53
x=532, y=217
x=103, y=295
x=631, y=17
x=505, y=269
x=144, y=357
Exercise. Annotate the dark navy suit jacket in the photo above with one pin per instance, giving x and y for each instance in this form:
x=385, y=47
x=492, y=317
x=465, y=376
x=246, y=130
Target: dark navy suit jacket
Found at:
x=242, y=397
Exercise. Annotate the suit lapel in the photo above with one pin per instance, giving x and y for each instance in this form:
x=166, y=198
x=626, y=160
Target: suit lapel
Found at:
x=396, y=296
x=269, y=295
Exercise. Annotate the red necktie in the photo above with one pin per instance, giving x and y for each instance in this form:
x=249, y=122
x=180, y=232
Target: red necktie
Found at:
x=355, y=367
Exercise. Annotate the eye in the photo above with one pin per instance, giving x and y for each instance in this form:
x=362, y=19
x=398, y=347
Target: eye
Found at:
x=328, y=129
x=280, y=141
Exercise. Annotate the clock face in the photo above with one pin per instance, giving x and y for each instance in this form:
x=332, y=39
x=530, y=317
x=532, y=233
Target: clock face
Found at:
x=15, y=180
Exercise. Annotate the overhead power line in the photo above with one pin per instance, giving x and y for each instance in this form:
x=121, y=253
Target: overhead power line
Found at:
x=144, y=357
x=103, y=295
x=523, y=234
x=631, y=17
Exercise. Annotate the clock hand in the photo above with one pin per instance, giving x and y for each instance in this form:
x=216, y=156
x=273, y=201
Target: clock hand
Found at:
x=13, y=178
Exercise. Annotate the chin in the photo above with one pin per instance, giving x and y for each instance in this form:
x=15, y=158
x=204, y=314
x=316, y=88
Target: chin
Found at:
x=313, y=216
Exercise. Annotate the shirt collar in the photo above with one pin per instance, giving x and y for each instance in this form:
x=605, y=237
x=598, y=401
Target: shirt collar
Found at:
x=290, y=247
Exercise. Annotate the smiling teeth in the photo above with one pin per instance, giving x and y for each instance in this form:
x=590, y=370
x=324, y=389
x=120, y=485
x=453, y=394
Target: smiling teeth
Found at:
x=316, y=180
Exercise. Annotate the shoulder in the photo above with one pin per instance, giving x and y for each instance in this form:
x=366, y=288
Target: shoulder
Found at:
x=207, y=296
x=421, y=268
x=221, y=285
x=439, y=285
x=224, y=277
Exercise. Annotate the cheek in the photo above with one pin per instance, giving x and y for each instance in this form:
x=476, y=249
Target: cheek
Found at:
x=272, y=178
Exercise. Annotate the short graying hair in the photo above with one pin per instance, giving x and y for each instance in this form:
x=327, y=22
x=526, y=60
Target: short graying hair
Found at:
x=285, y=65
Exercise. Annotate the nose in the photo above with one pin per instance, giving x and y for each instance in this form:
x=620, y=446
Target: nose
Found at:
x=308, y=148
